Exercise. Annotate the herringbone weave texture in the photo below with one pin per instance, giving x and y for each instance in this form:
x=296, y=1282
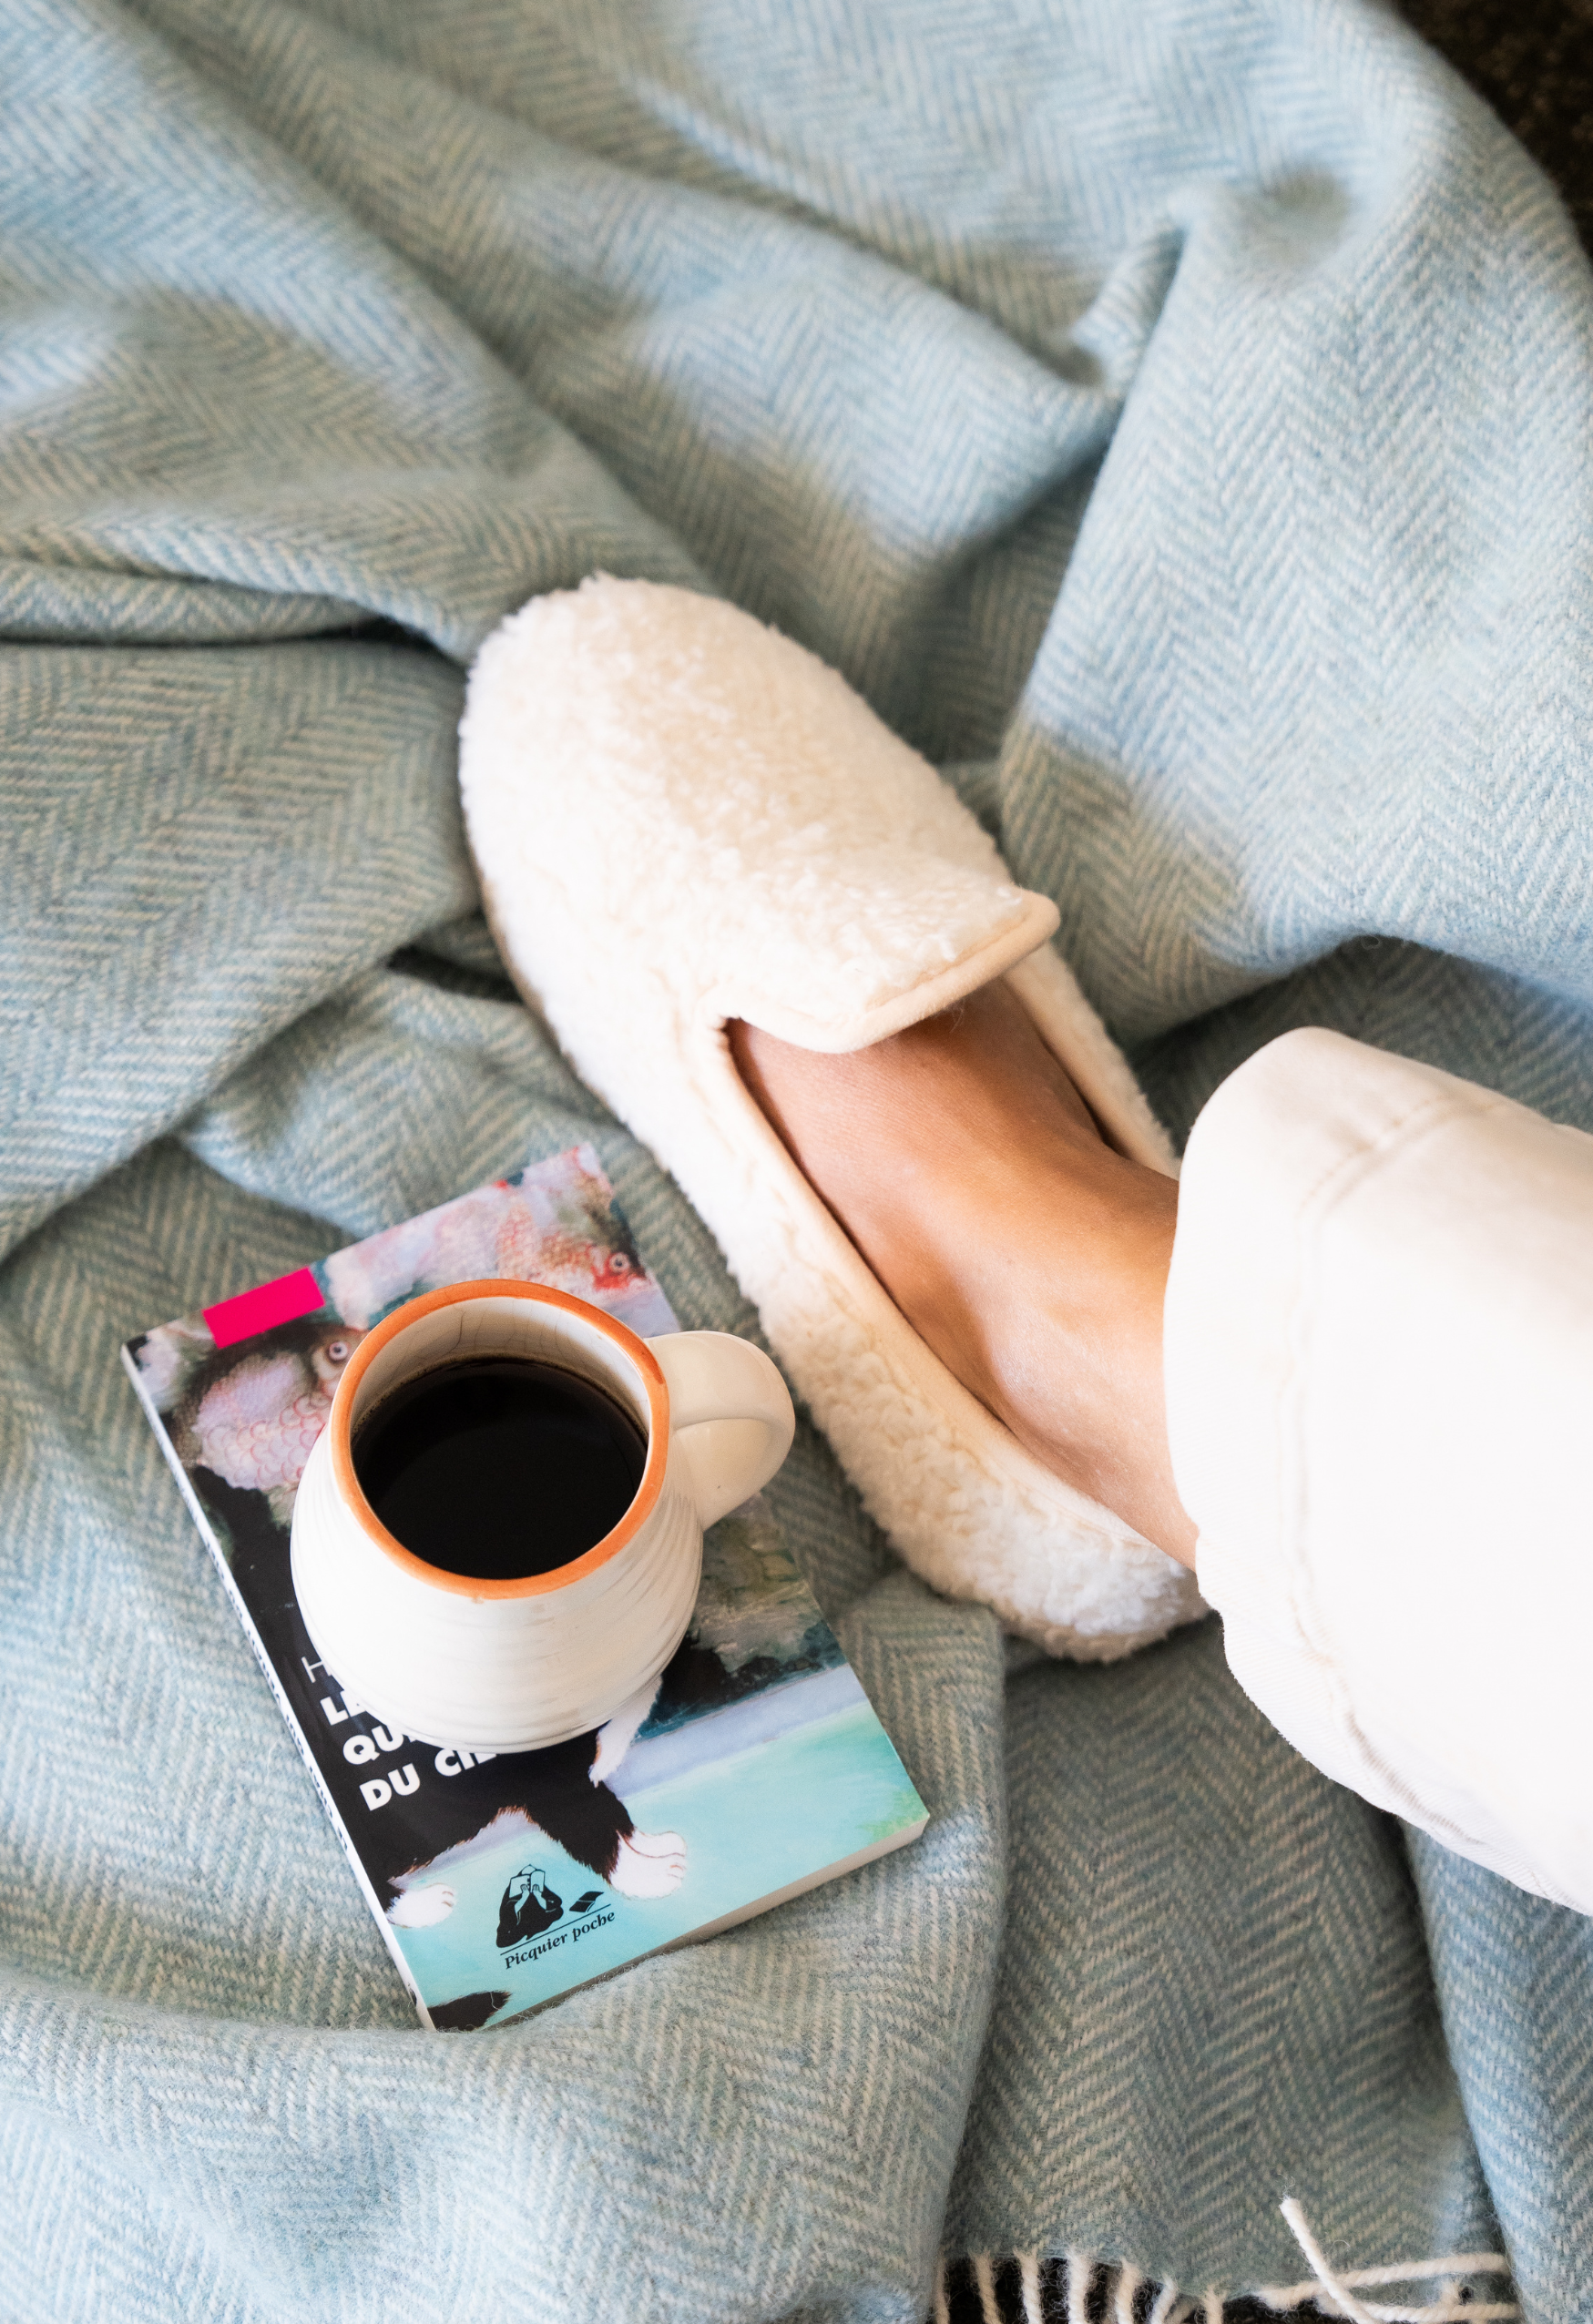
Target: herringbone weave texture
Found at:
x=1174, y=417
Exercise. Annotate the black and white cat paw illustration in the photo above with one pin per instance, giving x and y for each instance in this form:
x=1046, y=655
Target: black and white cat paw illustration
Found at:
x=421, y=1907
x=648, y=1864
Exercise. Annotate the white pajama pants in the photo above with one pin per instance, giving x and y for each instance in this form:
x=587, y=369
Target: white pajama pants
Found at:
x=1379, y=1360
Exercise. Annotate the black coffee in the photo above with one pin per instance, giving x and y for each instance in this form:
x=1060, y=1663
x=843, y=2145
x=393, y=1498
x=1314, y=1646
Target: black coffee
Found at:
x=499, y=1466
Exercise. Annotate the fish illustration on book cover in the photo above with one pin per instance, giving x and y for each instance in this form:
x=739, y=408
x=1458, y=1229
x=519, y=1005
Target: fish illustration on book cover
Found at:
x=515, y=1870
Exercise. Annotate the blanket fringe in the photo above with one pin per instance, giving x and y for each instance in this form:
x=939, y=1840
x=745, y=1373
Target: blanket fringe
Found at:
x=1075, y=2287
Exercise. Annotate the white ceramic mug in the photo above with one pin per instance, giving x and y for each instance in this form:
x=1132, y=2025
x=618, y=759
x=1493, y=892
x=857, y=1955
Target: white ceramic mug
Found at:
x=511, y=1666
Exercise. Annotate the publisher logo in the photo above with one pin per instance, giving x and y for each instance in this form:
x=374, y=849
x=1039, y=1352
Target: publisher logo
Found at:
x=528, y=1907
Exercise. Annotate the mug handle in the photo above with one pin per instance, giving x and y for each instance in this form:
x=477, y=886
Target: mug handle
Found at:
x=731, y=1417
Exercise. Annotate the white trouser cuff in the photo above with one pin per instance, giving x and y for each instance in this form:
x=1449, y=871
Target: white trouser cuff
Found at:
x=1379, y=1363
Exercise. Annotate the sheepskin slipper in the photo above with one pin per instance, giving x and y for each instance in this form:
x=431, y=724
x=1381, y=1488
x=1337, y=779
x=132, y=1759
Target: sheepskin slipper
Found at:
x=680, y=818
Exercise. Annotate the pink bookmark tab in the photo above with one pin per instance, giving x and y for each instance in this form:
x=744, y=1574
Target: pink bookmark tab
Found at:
x=268, y=1303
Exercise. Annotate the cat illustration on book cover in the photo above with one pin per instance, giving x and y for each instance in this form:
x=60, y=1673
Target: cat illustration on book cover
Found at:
x=243, y=1420
x=240, y=1421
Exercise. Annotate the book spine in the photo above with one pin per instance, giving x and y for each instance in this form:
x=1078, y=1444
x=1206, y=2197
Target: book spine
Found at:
x=218, y=1557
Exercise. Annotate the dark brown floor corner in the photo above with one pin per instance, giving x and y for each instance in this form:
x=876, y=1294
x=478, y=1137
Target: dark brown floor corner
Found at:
x=1533, y=62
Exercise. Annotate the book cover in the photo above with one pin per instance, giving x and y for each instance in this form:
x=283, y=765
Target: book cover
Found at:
x=755, y=1768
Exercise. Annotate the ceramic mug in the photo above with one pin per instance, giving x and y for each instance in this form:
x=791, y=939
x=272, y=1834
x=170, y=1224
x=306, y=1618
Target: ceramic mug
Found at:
x=511, y=1666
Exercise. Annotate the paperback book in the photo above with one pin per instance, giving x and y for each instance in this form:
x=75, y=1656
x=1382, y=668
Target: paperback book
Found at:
x=754, y=1769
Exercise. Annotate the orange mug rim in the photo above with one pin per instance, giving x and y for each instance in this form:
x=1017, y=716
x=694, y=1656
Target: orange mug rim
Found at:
x=525, y=1585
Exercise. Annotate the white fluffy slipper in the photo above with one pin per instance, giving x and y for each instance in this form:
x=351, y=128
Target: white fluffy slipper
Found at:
x=680, y=816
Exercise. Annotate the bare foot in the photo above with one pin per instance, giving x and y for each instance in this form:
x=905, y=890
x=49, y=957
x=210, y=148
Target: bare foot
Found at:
x=1033, y=1258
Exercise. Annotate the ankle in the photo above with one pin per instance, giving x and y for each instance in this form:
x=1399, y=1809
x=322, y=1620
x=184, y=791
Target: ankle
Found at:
x=1069, y=1335
x=1029, y=1256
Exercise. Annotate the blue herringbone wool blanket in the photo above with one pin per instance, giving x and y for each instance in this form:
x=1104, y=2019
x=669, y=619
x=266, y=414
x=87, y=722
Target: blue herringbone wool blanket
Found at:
x=1173, y=415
